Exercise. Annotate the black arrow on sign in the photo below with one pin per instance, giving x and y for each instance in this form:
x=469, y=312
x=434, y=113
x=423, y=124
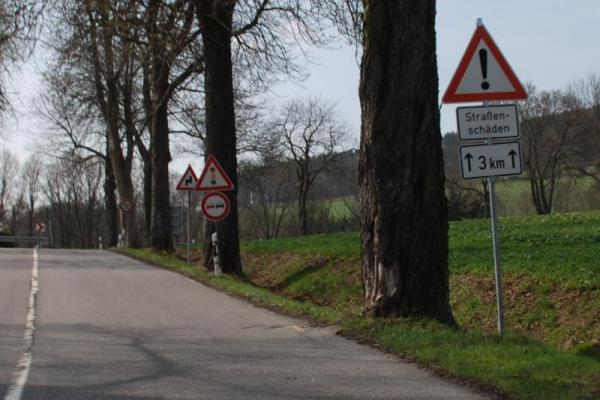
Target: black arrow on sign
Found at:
x=468, y=157
x=512, y=155
x=188, y=181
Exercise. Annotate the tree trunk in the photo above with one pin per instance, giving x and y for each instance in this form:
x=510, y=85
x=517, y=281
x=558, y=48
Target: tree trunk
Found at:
x=110, y=203
x=107, y=94
x=146, y=153
x=122, y=170
x=162, y=239
x=486, y=197
x=148, y=196
x=30, y=214
x=215, y=18
x=401, y=175
x=131, y=131
x=155, y=86
x=302, y=208
x=538, y=194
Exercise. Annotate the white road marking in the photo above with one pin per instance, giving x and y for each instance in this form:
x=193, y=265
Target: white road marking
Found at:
x=19, y=379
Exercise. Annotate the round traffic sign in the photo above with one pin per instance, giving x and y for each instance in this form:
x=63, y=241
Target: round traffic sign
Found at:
x=126, y=205
x=215, y=206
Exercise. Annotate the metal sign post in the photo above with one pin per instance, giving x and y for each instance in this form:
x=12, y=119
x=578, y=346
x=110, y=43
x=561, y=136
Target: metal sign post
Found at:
x=189, y=196
x=497, y=264
x=188, y=183
x=215, y=205
x=496, y=244
x=483, y=74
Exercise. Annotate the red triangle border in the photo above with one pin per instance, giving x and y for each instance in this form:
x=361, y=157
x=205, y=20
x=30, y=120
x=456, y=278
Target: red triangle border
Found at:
x=211, y=159
x=180, y=184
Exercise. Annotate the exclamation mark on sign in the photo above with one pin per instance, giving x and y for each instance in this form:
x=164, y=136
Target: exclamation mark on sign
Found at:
x=483, y=57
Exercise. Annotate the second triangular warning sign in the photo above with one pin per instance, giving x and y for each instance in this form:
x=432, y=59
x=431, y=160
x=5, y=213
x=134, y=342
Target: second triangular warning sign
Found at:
x=213, y=177
x=483, y=74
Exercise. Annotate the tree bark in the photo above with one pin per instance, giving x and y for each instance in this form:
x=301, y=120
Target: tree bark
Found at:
x=146, y=152
x=162, y=239
x=110, y=203
x=121, y=166
x=147, y=171
x=302, y=206
x=542, y=203
x=401, y=175
x=215, y=19
x=30, y=214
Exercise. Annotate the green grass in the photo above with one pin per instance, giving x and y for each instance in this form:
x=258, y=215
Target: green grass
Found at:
x=551, y=275
x=519, y=367
x=339, y=208
x=550, y=272
x=559, y=248
x=344, y=244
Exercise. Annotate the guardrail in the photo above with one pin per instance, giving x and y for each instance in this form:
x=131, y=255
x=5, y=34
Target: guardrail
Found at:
x=21, y=240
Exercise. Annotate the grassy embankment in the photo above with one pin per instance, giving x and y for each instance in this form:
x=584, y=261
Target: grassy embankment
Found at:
x=552, y=287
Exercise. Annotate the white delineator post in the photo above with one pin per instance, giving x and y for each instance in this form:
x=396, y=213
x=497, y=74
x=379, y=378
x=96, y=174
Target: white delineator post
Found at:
x=216, y=262
x=123, y=235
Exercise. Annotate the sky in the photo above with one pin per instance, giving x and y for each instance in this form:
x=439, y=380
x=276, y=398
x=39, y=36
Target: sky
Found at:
x=548, y=42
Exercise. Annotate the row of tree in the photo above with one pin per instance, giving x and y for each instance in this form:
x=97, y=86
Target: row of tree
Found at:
x=297, y=158
x=126, y=75
x=124, y=71
x=64, y=195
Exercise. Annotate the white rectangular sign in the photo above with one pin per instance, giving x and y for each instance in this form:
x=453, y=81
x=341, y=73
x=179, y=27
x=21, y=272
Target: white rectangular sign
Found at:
x=480, y=161
x=484, y=122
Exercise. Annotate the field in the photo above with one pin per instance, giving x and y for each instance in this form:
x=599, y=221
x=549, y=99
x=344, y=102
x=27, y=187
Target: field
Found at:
x=552, y=294
x=514, y=198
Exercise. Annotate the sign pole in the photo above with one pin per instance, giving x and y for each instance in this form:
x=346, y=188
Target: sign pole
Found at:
x=474, y=80
x=215, y=205
x=495, y=241
x=188, y=183
x=189, y=258
x=497, y=263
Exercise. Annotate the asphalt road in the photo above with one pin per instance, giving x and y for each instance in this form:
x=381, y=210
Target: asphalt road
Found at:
x=108, y=327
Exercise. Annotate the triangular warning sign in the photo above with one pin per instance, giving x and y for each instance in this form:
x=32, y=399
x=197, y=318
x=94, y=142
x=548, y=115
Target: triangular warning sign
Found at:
x=213, y=177
x=483, y=74
x=188, y=181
